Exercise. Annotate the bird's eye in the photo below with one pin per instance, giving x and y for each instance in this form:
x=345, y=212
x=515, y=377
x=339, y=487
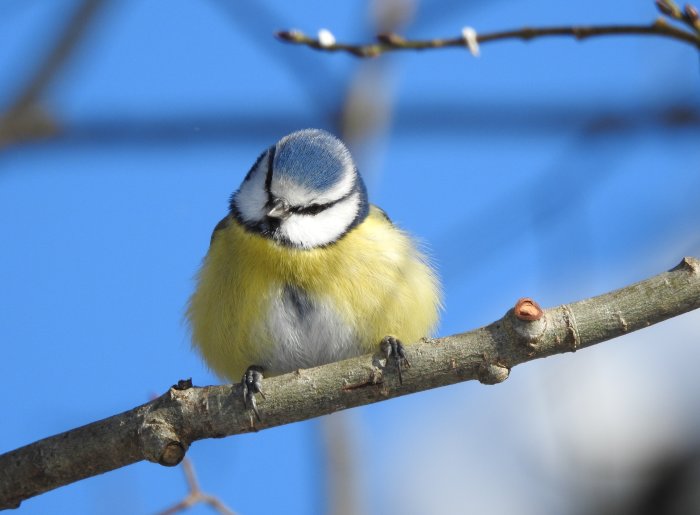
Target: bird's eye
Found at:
x=314, y=209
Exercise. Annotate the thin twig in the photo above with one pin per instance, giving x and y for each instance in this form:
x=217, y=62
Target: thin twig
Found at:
x=393, y=42
x=688, y=16
x=195, y=495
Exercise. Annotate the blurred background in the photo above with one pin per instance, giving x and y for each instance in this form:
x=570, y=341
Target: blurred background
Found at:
x=553, y=169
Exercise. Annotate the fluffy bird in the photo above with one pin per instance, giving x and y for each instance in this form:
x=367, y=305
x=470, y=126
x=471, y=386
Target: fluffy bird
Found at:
x=303, y=271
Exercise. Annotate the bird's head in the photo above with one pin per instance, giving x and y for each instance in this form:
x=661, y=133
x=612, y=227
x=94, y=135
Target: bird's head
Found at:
x=304, y=191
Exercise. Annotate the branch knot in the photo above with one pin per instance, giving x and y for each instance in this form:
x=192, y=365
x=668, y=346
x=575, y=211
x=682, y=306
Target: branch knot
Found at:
x=492, y=373
x=159, y=440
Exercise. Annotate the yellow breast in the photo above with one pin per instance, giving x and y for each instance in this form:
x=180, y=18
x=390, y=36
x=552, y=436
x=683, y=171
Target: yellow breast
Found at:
x=374, y=279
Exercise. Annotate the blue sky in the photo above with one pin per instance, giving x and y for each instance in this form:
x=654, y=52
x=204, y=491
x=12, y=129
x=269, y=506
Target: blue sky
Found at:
x=552, y=169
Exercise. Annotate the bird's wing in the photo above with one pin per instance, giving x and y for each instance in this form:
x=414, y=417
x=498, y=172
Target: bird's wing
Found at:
x=223, y=223
x=382, y=213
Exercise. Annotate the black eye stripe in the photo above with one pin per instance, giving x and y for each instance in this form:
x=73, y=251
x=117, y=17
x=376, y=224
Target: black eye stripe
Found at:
x=315, y=209
x=268, y=177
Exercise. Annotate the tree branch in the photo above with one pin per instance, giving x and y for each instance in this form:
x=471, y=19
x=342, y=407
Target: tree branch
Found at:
x=391, y=42
x=162, y=430
x=25, y=119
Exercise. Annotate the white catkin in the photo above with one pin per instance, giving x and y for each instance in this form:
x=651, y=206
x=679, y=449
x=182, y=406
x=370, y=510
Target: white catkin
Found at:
x=471, y=40
x=326, y=38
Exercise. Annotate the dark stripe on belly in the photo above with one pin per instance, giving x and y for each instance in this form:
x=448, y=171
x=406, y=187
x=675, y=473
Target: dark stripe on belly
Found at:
x=298, y=300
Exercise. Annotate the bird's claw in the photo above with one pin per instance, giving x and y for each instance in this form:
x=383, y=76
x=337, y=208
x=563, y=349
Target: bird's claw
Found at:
x=394, y=350
x=252, y=384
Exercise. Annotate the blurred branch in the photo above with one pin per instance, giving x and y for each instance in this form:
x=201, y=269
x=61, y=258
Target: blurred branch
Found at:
x=367, y=111
x=390, y=42
x=456, y=117
x=163, y=429
x=363, y=116
x=25, y=118
x=195, y=495
x=342, y=467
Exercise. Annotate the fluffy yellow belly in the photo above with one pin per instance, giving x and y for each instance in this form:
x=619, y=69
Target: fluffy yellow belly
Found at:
x=260, y=303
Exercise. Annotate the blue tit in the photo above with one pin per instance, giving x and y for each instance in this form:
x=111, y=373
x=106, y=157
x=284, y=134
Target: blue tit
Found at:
x=303, y=271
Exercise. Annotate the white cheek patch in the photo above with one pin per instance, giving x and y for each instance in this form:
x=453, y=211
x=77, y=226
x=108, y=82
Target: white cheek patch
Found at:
x=251, y=198
x=323, y=228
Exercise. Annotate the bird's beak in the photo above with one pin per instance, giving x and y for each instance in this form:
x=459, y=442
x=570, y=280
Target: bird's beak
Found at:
x=279, y=209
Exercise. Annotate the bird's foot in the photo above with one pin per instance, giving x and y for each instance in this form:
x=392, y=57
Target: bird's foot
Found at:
x=252, y=384
x=394, y=351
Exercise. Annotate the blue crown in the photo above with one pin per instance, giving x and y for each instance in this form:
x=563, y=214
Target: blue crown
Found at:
x=313, y=158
